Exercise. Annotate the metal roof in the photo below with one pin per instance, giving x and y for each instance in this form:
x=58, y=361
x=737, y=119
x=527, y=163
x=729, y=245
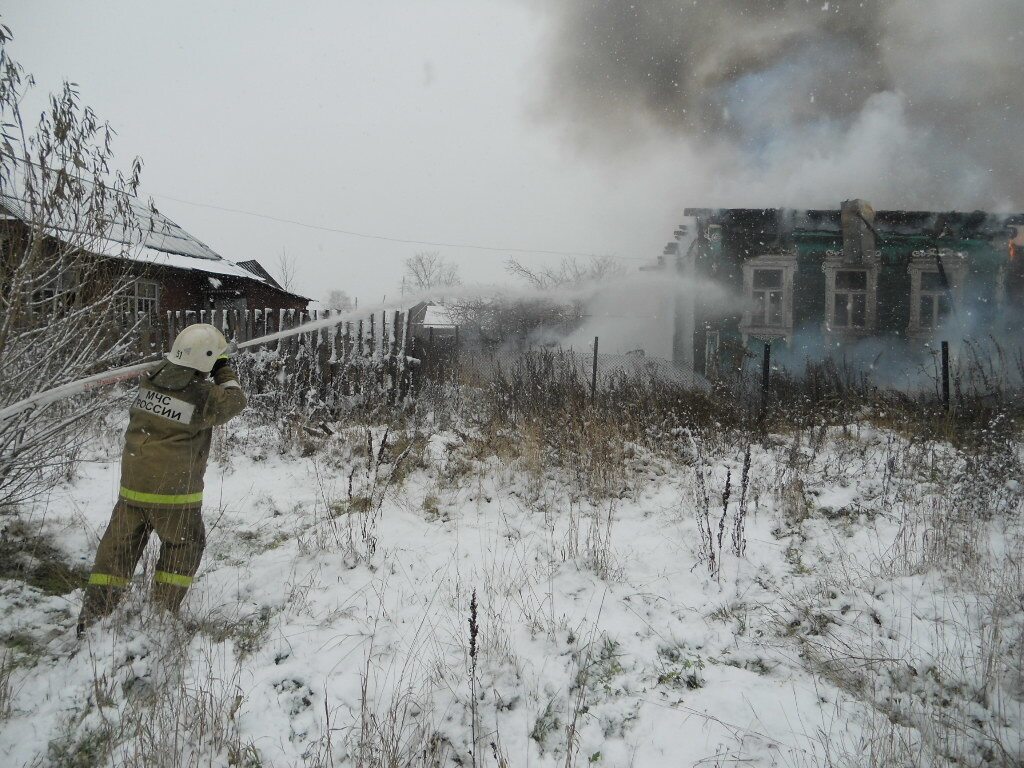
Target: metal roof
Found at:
x=157, y=240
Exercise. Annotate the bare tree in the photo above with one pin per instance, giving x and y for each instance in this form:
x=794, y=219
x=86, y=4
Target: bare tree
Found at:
x=428, y=270
x=551, y=314
x=67, y=227
x=569, y=273
x=287, y=270
x=340, y=301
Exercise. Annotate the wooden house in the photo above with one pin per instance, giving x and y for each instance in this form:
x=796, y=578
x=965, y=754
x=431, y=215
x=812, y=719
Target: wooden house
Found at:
x=170, y=270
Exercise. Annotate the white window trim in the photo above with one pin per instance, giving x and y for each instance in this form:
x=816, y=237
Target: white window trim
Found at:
x=785, y=262
x=954, y=264
x=834, y=263
x=134, y=298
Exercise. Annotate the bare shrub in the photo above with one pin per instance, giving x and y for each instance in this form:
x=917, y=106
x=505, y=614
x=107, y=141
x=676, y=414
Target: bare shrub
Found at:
x=940, y=663
x=6, y=684
x=186, y=724
x=347, y=520
x=65, y=215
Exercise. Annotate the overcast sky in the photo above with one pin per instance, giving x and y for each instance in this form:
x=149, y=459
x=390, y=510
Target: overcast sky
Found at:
x=559, y=125
x=407, y=119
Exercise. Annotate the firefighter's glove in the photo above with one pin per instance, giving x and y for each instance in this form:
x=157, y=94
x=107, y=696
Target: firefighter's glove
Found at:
x=220, y=363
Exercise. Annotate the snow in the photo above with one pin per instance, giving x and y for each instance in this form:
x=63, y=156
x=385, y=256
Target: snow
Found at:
x=437, y=316
x=299, y=606
x=160, y=241
x=218, y=266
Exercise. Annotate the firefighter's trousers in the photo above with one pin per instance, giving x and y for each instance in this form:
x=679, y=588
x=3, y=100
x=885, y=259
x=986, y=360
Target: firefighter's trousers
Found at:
x=182, y=539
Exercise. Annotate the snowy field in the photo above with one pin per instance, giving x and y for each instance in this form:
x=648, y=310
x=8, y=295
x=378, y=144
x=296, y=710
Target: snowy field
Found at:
x=852, y=598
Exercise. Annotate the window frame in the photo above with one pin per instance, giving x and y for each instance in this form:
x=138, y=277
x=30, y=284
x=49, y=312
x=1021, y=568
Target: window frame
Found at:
x=758, y=326
x=954, y=264
x=834, y=264
x=135, y=301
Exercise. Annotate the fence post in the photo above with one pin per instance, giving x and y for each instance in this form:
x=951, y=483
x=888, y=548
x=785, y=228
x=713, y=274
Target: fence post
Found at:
x=170, y=331
x=945, y=375
x=593, y=375
x=359, y=370
x=346, y=360
x=766, y=370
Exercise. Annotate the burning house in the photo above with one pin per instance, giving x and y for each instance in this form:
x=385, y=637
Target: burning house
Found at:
x=853, y=283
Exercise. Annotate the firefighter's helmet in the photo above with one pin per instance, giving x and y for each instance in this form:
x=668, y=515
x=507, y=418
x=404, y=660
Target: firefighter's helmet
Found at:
x=198, y=346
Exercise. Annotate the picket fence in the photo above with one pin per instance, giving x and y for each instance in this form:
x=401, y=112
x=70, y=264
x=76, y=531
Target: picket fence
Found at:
x=373, y=355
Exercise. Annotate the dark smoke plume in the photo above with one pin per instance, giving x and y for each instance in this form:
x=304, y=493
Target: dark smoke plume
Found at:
x=910, y=102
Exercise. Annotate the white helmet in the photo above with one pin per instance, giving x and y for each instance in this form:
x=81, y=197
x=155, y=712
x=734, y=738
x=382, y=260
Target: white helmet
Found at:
x=198, y=346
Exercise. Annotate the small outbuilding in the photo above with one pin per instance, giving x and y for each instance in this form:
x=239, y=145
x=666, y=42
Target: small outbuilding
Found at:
x=432, y=322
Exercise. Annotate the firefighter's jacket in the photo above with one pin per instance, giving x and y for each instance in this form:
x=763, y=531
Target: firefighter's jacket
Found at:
x=169, y=429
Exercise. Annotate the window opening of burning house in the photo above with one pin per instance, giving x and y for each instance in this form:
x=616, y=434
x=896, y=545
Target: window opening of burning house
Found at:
x=851, y=299
x=933, y=301
x=767, y=296
x=768, y=285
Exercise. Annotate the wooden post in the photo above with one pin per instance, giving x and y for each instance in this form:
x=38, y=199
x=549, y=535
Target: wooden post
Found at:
x=766, y=369
x=403, y=362
x=346, y=350
x=359, y=362
x=945, y=375
x=593, y=375
x=395, y=325
x=394, y=364
x=170, y=331
x=324, y=355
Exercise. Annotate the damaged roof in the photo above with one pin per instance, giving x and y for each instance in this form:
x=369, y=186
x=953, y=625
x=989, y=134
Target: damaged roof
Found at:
x=974, y=225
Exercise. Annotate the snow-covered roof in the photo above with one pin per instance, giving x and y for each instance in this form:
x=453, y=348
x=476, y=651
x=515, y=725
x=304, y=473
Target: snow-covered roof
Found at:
x=218, y=266
x=438, y=316
x=157, y=241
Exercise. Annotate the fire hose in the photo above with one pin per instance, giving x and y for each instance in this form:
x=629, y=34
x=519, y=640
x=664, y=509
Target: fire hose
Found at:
x=45, y=398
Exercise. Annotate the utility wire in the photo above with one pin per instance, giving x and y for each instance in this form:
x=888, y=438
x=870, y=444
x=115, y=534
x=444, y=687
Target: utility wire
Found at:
x=348, y=232
x=386, y=238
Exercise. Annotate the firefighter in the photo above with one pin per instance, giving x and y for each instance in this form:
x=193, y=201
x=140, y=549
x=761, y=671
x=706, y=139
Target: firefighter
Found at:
x=166, y=448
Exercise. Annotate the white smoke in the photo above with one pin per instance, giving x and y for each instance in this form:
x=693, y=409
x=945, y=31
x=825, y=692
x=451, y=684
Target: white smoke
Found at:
x=909, y=103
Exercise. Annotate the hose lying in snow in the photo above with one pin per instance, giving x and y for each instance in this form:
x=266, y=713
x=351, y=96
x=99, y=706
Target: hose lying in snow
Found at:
x=42, y=399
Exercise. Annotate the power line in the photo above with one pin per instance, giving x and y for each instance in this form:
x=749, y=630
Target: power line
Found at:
x=386, y=238
x=349, y=232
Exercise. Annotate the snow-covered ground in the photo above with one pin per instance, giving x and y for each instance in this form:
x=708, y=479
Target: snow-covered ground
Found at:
x=874, y=618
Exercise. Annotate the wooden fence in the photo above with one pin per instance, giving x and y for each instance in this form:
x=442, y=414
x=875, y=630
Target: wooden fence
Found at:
x=377, y=331
x=373, y=355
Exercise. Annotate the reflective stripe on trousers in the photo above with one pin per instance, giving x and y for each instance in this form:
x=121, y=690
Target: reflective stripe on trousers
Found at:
x=141, y=497
x=174, y=579
x=107, y=580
